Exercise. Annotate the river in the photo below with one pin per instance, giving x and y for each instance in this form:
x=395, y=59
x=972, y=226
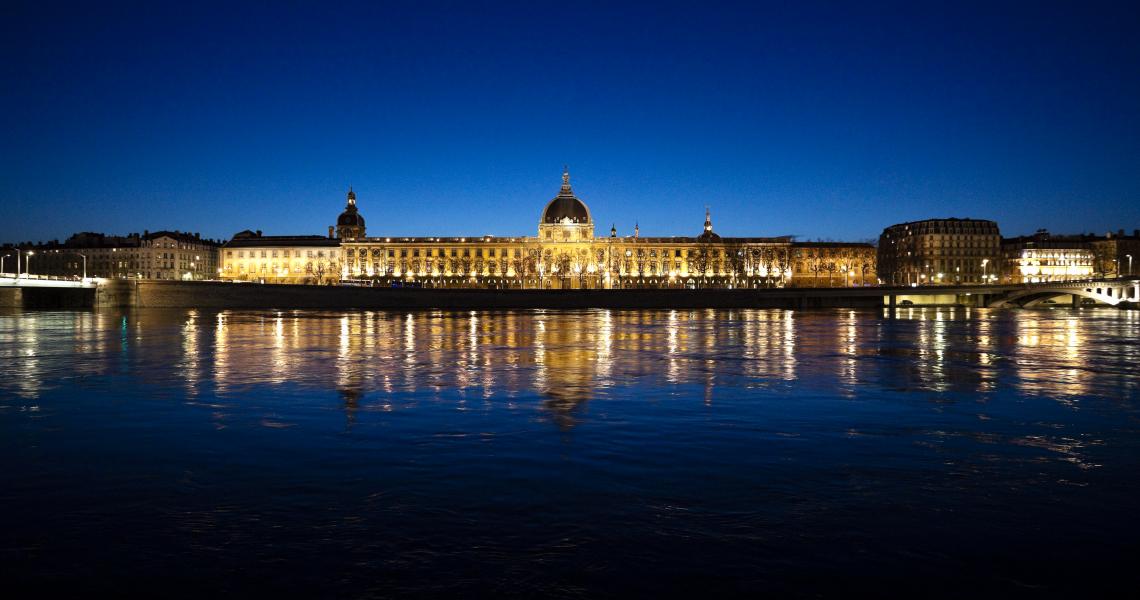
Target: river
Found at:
x=570, y=453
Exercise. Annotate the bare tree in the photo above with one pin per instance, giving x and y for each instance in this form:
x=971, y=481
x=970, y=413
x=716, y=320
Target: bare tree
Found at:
x=699, y=262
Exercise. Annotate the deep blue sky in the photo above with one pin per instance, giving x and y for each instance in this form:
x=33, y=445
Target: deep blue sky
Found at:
x=828, y=121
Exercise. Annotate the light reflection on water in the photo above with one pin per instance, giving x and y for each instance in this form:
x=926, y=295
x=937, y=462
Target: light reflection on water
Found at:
x=551, y=447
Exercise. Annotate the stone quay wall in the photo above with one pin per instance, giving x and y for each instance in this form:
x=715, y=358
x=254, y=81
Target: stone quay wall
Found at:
x=204, y=294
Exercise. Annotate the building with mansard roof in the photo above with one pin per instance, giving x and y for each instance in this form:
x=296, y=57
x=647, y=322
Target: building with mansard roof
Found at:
x=566, y=254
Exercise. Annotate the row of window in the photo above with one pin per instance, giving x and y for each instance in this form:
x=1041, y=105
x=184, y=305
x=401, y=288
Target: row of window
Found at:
x=280, y=253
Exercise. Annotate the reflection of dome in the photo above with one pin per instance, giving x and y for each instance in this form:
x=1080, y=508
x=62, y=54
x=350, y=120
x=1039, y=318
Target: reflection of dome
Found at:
x=565, y=206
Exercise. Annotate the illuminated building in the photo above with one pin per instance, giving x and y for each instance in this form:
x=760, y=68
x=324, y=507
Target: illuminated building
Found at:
x=1043, y=257
x=939, y=252
x=566, y=254
x=157, y=255
x=251, y=256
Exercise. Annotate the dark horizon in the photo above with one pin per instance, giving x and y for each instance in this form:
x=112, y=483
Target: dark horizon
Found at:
x=822, y=122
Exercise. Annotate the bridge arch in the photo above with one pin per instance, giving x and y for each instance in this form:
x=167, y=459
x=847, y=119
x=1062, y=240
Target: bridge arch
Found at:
x=1033, y=296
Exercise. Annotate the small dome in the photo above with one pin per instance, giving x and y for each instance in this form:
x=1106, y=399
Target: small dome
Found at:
x=565, y=206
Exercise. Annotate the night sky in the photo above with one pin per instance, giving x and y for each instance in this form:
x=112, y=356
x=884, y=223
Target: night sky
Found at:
x=455, y=118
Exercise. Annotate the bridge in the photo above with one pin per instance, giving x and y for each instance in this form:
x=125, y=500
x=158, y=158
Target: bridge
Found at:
x=1101, y=291
x=44, y=291
x=11, y=280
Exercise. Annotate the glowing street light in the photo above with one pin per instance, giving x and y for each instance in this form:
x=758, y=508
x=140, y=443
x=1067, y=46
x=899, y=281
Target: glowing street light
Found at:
x=985, y=261
x=1129, y=264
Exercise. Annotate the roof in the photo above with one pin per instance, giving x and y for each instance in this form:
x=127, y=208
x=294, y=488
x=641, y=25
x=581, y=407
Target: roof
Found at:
x=565, y=206
x=832, y=244
x=278, y=241
x=182, y=236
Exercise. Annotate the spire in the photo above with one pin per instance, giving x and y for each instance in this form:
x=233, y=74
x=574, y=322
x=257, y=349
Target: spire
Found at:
x=708, y=219
x=351, y=197
x=566, y=180
x=613, y=230
x=636, y=229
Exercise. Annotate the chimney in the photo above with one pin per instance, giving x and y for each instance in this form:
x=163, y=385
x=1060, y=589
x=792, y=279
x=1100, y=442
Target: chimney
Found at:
x=146, y=232
x=258, y=233
x=331, y=236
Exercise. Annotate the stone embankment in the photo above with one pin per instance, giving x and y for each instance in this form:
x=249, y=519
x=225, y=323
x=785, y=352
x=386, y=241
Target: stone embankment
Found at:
x=205, y=294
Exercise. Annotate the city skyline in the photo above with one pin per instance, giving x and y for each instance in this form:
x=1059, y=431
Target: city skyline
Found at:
x=819, y=122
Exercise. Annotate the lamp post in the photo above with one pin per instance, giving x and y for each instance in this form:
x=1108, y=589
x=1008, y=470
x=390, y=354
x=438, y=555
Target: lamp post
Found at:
x=84, y=257
x=28, y=264
x=1129, y=264
x=985, y=261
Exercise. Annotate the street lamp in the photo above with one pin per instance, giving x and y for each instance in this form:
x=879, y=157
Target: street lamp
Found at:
x=985, y=261
x=1129, y=264
x=28, y=264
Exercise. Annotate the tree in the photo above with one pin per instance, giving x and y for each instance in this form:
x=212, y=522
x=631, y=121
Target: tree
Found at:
x=699, y=262
x=734, y=260
x=815, y=265
x=867, y=266
x=830, y=266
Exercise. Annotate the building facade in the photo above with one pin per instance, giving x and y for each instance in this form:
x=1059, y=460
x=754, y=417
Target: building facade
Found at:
x=158, y=255
x=939, y=252
x=1042, y=257
x=1115, y=253
x=298, y=259
x=565, y=254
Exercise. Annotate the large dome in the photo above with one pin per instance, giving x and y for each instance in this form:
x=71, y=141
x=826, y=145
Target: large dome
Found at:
x=566, y=207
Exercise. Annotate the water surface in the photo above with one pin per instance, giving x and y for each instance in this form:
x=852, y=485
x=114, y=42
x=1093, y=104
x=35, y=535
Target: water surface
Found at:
x=572, y=453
